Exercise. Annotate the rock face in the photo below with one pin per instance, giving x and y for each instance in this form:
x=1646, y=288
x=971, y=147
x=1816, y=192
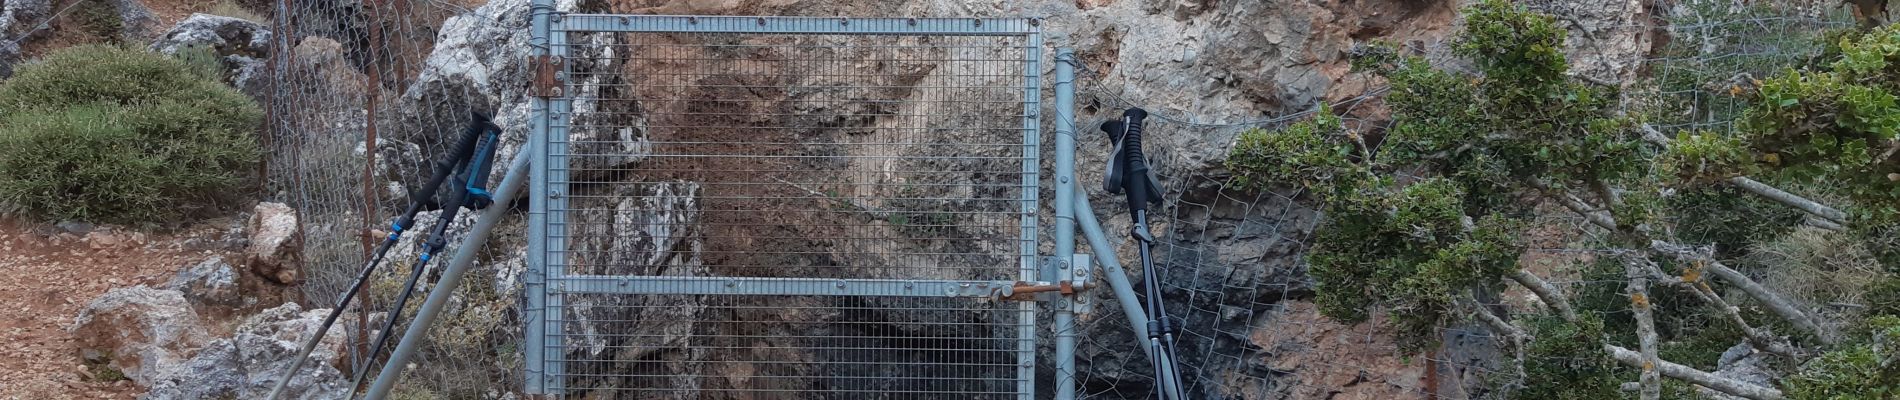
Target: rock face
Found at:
x=242, y=45
x=18, y=20
x=140, y=331
x=1745, y=364
x=274, y=243
x=248, y=364
x=209, y=284
x=137, y=24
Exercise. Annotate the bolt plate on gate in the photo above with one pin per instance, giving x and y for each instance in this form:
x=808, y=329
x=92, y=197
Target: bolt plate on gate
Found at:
x=547, y=79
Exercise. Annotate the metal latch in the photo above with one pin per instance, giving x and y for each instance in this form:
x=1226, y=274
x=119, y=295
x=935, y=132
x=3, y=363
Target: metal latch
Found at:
x=547, y=77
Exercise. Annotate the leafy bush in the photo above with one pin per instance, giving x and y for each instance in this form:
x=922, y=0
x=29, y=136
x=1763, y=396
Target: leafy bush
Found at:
x=1868, y=371
x=110, y=134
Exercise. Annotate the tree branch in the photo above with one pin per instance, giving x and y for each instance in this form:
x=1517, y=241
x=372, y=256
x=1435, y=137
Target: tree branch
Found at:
x=1631, y=358
x=1502, y=328
x=1782, y=307
x=1548, y=294
x=1790, y=199
x=1830, y=214
x=1651, y=388
x=1691, y=280
x=1695, y=376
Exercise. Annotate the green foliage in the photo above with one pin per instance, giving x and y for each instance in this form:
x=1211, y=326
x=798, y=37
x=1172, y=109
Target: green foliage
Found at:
x=1840, y=124
x=1521, y=119
x=1728, y=218
x=99, y=18
x=1407, y=251
x=1706, y=157
x=109, y=134
x=1866, y=371
x=1312, y=154
x=1565, y=361
x=202, y=60
x=1883, y=297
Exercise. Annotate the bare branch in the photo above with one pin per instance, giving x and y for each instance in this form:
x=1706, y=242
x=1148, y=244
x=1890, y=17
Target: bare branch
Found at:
x=1593, y=214
x=1503, y=328
x=1548, y=294
x=1830, y=214
x=1692, y=281
x=1651, y=388
x=1695, y=376
x=1790, y=199
x=1782, y=307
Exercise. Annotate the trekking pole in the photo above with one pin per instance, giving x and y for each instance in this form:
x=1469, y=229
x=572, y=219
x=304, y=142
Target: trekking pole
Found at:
x=418, y=200
x=1129, y=175
x=469, y=192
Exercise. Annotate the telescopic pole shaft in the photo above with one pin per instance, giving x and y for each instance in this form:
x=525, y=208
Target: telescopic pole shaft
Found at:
x=412, y=337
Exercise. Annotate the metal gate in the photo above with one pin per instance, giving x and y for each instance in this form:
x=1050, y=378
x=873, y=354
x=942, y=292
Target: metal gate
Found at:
x=783, y=208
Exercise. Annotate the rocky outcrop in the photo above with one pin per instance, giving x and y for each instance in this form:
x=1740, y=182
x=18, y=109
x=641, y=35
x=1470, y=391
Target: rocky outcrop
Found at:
x=250, y=362
x=139, y=331
x=274, y=243
x=1743, y=363
x=137, y=24
x=241, y=45
x=208, y=285
x=19, y=22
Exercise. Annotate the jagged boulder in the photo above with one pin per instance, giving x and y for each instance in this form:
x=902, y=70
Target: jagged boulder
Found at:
x=137, y=23
x=18, y=20
x=242, y=45
x=252, y=361
x=274, y=243
x=139, y=331
x=211, y=283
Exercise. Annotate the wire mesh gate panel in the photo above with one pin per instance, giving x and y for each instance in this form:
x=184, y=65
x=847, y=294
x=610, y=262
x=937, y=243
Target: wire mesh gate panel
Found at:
x=784, y=208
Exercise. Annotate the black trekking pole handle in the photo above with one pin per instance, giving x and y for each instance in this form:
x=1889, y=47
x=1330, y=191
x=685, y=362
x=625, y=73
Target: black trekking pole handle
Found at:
x=478, y=125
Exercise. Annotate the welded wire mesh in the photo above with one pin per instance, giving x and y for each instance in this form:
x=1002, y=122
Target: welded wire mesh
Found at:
x=792, y=156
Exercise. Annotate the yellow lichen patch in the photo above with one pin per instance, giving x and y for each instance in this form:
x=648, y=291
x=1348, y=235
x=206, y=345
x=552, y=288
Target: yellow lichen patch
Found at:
x=1638, y=300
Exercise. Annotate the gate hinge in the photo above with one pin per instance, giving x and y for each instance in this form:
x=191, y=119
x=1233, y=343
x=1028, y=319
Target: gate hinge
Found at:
x=547, y=77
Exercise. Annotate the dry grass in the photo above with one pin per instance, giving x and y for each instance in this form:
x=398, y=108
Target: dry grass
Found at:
x=1817, y=267
x=234, y=10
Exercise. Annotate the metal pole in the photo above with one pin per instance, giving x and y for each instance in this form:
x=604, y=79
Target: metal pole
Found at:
x=1118, y=280
x=445, y=288
x=1065, y=221
x=534, y=279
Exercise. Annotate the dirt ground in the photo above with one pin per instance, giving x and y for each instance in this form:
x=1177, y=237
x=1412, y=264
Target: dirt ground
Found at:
x=47, y=275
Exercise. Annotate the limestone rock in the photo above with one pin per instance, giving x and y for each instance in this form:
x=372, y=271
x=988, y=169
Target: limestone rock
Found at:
x=1745, y=364
x=242, y=45
x=137, y=24
x=139, y=331
x=274, y=243
x=18, y=20
x=211, y=284
x=248, y=364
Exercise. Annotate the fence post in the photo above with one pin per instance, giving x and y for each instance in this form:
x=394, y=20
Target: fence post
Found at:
x=534, y=317
x=1065, y=221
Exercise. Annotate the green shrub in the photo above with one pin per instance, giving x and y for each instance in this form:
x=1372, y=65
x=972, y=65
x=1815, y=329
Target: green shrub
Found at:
x=1866, y=371
x=109, y=134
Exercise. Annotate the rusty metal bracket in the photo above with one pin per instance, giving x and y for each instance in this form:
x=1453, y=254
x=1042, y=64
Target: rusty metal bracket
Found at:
x=548, y=79
x=1026, y=291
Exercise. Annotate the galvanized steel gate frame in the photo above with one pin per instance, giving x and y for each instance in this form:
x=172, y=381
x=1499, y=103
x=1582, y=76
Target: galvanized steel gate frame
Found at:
x=1052, y=279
